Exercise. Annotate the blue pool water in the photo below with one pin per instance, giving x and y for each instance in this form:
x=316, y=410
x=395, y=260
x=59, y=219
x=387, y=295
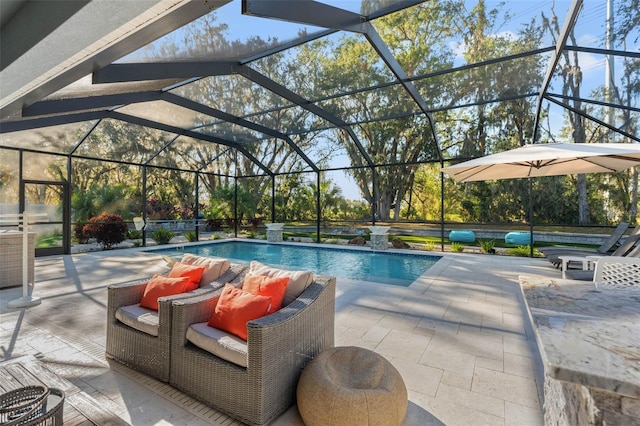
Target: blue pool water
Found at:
x=386, y=268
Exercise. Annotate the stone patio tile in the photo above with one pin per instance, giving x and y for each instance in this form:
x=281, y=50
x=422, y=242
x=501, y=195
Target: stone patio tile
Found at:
x=519, y=365
x=375, y=335
x=457, y=380
x=452, y=413
x=439, y=325
x=404, y=345
x=506, y=386
x=448, y=360
x=476, y=401
x=516, y=414
x=417, y=377
x=490, y=363
x=429, y=308
x=519, y=345
x=399, y=322
x=476, y=345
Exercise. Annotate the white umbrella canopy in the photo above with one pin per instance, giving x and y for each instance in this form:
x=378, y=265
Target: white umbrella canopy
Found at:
x=539, y=160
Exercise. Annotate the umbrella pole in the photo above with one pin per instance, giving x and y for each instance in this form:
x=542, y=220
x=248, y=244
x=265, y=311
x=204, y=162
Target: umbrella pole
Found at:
x=530, y=217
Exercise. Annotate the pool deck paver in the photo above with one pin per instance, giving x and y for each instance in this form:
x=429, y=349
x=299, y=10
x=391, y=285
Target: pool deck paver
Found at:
x=458, y=336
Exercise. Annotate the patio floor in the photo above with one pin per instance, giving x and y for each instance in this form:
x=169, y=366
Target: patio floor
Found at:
x=458, y=336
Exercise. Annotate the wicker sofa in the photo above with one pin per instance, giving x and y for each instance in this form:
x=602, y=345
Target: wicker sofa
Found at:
x=278, y=347
x=143, y=350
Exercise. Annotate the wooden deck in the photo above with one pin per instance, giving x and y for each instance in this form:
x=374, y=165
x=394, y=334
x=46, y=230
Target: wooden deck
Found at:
x=79, y=408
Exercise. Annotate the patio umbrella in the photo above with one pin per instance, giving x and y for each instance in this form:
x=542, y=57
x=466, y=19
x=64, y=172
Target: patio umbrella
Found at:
x=548, y=160
x=539, y=160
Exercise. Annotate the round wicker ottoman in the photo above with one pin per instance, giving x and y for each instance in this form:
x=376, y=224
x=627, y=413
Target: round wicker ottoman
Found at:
x=351, y=386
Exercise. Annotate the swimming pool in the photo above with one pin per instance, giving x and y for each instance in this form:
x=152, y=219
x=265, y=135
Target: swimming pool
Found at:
x=386, y=268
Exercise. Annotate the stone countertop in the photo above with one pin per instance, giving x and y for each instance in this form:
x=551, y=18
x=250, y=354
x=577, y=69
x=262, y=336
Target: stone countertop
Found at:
x=586, y=336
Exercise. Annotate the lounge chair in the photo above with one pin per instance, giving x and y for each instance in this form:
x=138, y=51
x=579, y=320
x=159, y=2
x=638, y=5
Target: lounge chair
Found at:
x=617, y=273
x=252, y=381
x=628, y=249
x=621, y=250
x=552, y=253
x=140, y=337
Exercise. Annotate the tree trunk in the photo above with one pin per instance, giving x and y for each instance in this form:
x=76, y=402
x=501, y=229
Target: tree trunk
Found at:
x=583, y=202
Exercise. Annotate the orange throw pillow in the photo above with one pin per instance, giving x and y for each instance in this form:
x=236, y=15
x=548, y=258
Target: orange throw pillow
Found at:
x=194, y=273
x=160, y=286
x=266, y=286
x=236, y=308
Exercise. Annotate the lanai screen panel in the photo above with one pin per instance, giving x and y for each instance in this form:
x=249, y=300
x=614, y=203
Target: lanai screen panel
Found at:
x=222, y=34
x=54, y=139
x=334, y=64
x=117, y=140
x=10, y=180
x=438, y=35
x=495, y=81
x=167, y=113
x=400, y=140
x=478, y=130
x=328, y=150
x=235, y=95
x=370, y=105
x=593, y=29
x=192, y=154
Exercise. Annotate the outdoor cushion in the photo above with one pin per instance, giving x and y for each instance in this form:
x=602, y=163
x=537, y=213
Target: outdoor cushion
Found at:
x=193, y=272
x=298, y=280
x=142, y=319
x=215, y=266
x=160, y=286
x=219, y=343
x=267, y=286
x=236, y=308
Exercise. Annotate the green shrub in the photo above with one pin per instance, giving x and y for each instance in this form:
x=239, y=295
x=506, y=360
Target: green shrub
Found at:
x=429, y=245
x=134, y=234
x=457, y=247
x=215, y=237
x=162, y=236
x=191, y=236
x=488, y=246
x=108, y=229
x=524, y=251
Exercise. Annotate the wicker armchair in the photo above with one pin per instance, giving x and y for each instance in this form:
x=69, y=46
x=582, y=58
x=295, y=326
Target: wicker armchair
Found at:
x=140, y=350
x=279, y=346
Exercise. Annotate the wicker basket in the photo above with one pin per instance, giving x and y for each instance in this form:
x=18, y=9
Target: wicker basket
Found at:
x=20, y=405
x=31, y=406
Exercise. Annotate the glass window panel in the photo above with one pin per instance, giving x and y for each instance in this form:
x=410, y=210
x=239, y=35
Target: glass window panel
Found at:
x=333, y=64
x=432, y=36
x=46, y=167
x=9, y=181
x=120, y=141
x=485, y=83
x=224, y=34
x=55, y=139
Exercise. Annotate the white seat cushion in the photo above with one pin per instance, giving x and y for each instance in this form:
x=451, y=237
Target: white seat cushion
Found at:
x=219, y=343
x=143, y=319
